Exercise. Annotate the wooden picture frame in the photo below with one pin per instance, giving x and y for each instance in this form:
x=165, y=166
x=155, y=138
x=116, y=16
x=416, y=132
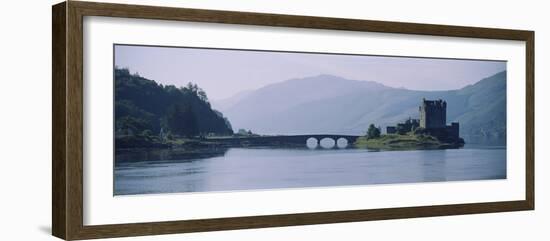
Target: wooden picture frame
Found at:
x=67, y=150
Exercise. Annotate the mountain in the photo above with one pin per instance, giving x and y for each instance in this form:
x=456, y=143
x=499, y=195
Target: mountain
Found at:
x=333, y=105
x=229, y=102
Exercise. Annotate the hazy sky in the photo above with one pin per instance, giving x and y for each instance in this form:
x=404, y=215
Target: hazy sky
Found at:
x=224, y=73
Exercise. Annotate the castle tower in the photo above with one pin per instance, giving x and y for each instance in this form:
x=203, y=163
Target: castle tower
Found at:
x=433, y=114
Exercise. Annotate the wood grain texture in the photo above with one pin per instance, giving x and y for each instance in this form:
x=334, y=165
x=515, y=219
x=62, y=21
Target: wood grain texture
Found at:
x=280, y=20
x=530, y=120
x=74, y=121
x=67, y=78
x=121, y=230
x=59, y=182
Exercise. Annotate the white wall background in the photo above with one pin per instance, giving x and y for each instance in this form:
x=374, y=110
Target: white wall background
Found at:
x=25, y=120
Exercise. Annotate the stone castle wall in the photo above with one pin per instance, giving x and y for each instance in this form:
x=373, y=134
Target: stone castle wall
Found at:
x=433, y=114
x=433, y=121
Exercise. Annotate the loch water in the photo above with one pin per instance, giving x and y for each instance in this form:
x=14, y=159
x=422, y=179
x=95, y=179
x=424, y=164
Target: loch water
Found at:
x=233, y=169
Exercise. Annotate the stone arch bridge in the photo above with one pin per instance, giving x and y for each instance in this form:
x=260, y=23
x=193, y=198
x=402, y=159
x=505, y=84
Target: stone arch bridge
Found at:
x=282, y=140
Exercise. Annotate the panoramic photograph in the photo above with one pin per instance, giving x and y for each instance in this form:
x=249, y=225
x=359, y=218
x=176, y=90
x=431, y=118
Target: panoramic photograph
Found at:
x=207, y=120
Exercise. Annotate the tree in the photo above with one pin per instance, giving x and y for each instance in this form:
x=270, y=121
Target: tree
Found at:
x=147, y=103
x=193, y=88
x=128, y=124
x=181, y=120
x=242, y=132
x=373, y=132
x=228, y=124
x=147, y=133
x=202, y=95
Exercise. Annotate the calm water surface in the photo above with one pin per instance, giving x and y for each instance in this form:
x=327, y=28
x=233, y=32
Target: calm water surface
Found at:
x=247, y=168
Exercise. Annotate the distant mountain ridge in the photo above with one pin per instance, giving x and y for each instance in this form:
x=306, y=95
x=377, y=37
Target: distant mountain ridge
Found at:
x=317, y=87
x=333, y=105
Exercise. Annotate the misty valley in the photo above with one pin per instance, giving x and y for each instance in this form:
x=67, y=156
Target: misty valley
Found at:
x=346, y=132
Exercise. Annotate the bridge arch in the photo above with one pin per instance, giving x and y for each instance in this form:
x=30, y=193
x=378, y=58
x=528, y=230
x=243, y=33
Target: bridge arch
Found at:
x=312, y=143
x=342, y=143
x=327, y=143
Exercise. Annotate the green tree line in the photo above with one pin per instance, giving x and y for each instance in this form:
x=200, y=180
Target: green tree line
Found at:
x=144, y=107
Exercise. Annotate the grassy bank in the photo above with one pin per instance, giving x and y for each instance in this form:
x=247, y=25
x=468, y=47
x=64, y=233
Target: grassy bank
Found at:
x=155, y=142
x=403, y=142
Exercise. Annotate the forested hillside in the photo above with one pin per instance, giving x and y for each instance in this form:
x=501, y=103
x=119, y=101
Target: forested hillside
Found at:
x=144, y=107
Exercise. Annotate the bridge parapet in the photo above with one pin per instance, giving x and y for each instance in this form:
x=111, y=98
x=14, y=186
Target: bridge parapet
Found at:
x=294, y=140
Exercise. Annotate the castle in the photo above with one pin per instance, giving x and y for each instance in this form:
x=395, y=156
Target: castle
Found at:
x=433, y=121
x=433, y=114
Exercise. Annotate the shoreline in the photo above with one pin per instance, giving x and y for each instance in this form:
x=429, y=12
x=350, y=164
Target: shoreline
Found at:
x=393, y=142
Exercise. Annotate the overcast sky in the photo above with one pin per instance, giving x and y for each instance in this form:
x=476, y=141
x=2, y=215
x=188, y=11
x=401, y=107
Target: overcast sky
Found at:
x=224, y=73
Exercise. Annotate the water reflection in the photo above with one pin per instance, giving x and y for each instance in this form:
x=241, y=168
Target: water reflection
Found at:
x=433, y=165
x=166, y=154
x=257, y=168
